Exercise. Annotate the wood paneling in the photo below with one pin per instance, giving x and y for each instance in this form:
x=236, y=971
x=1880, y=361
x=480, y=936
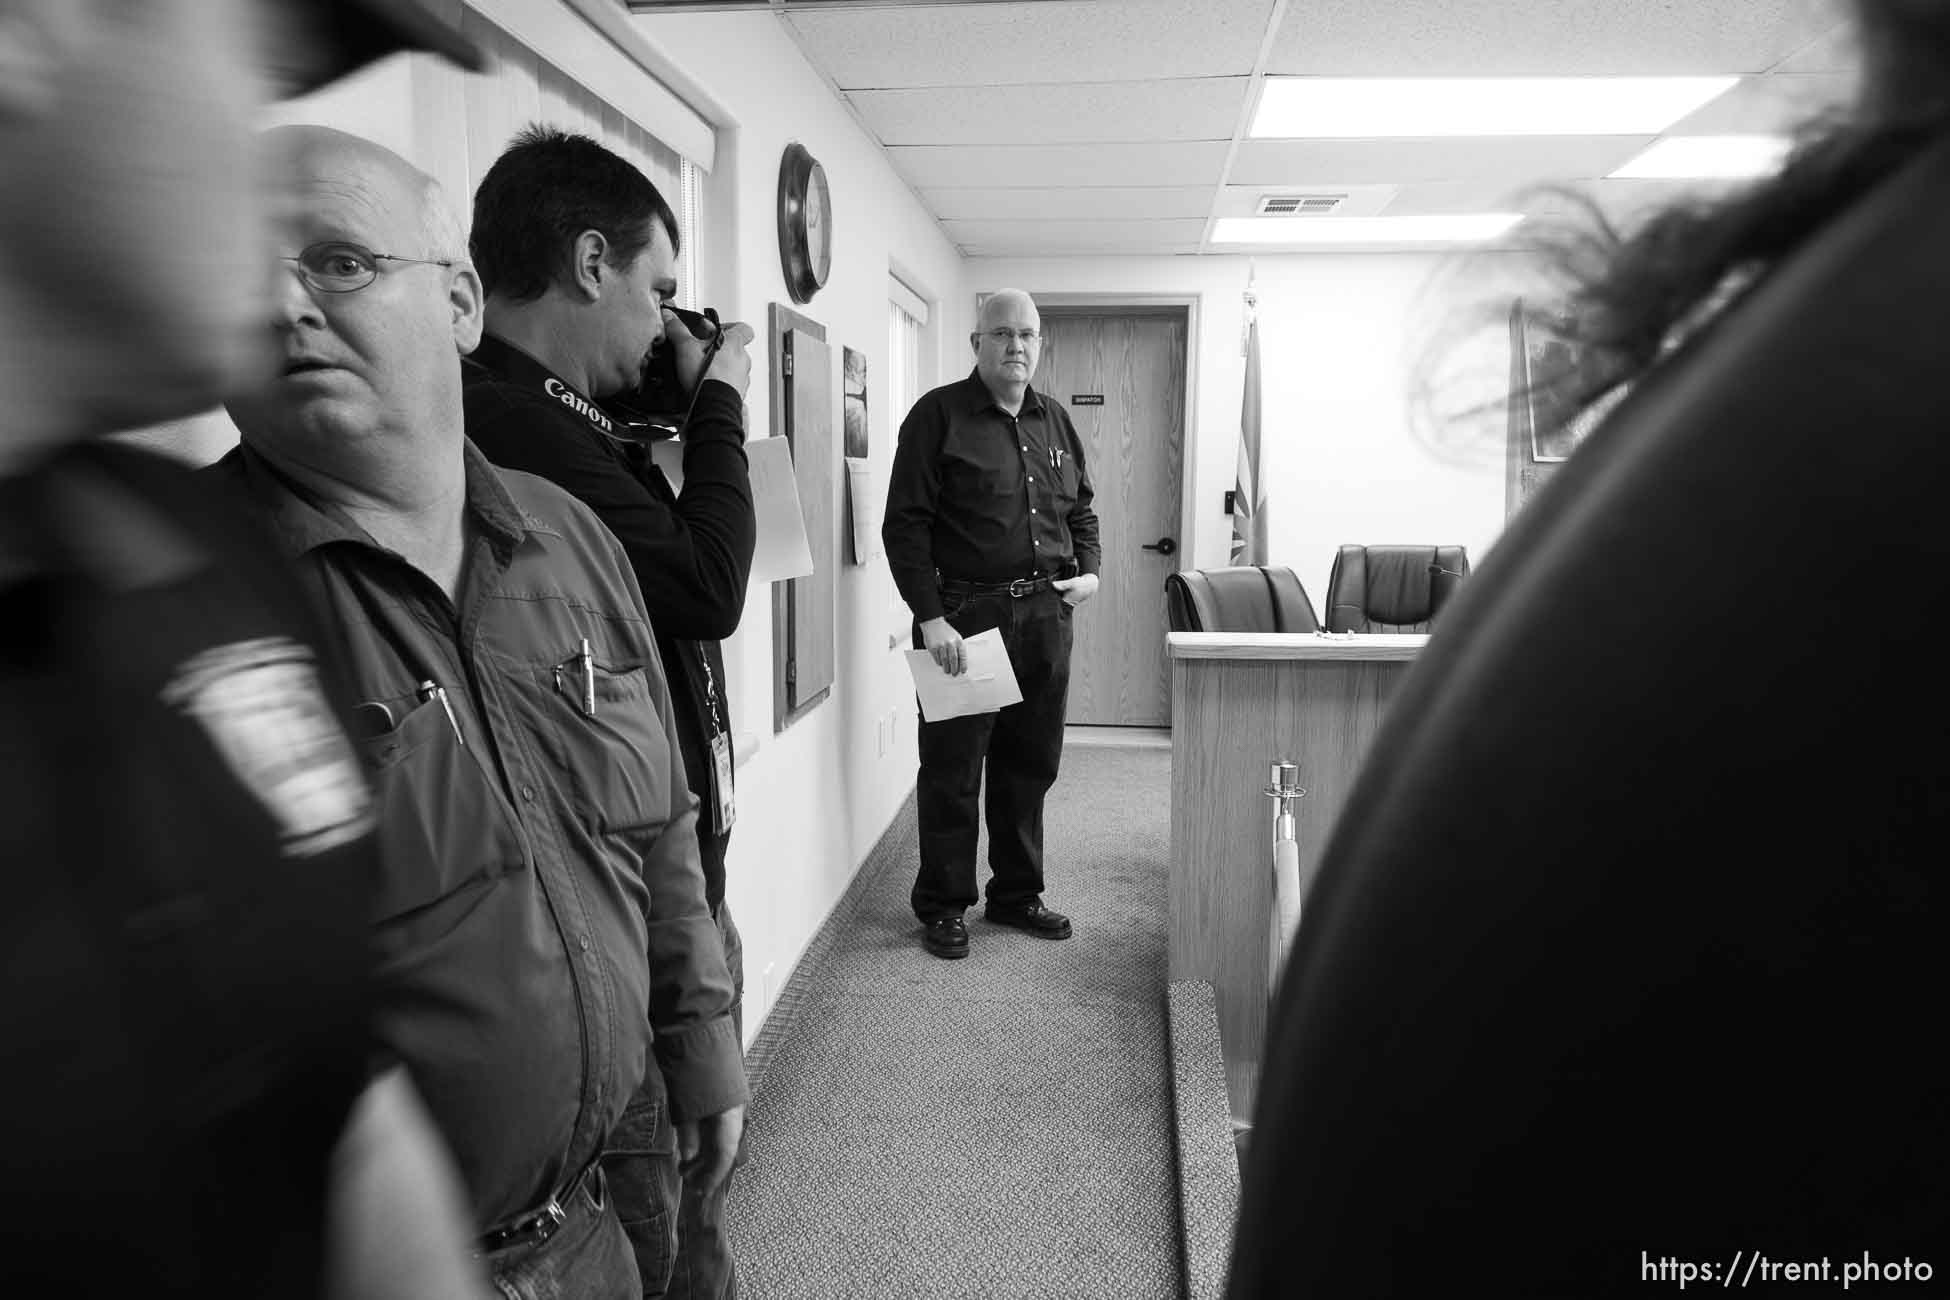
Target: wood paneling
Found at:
x=1134, y=450
x=1232, y=719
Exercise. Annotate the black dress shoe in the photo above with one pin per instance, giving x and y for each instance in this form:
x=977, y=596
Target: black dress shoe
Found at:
x=947, y=938
x=1033, y=917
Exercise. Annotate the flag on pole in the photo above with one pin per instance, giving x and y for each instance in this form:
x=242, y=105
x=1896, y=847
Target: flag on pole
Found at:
x=1249, y=491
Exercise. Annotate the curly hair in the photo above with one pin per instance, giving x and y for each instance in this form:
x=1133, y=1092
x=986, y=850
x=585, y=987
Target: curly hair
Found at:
x=1635, y=296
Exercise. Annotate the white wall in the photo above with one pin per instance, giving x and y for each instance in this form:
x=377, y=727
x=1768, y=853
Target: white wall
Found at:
x=1342, y=338
x=814, y=798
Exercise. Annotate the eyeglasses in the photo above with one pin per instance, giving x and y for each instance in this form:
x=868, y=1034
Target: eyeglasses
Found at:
x=338, y=267
x=1005, y=336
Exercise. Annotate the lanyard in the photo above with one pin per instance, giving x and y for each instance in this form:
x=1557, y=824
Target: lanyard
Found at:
x=716, y=718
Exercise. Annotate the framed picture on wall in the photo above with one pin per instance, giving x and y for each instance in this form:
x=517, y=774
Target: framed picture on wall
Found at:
x=1554, y=431
x=1542, y=429
x=853, y=401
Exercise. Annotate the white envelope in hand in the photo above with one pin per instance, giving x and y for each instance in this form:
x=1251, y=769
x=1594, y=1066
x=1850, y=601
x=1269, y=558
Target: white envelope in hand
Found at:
x=988, y=685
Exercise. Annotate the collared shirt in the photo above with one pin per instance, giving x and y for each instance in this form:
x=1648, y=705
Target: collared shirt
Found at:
x=692, y=553
x=978, y=494
x=188, y=850
x=538, y=835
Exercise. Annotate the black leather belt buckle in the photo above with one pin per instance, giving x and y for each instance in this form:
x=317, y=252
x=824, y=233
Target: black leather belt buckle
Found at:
x=529, y=1230
x=1021, y=587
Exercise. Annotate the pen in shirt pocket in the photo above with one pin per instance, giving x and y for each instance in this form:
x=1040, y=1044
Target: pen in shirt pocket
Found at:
x=432, y=690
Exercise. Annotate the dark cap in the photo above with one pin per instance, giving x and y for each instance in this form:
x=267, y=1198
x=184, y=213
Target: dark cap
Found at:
x=352, y=33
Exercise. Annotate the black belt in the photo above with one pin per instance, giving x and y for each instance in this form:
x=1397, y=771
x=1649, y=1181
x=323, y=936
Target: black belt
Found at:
x=537, y=1226
x=1016, y=587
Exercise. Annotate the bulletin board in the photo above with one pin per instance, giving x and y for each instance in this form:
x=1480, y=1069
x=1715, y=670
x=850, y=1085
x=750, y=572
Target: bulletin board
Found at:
x=803, y=657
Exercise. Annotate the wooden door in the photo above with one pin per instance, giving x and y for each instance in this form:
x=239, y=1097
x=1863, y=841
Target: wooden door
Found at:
x=1121, y=377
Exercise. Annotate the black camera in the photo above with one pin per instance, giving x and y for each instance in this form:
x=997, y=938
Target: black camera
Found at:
x=660, y=405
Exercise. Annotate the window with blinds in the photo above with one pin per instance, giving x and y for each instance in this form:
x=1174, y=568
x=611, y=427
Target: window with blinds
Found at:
x=907, y=317
x=907, y=377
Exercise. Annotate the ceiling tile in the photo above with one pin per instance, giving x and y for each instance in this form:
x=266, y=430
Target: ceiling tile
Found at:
x=1432, y=38
x=1616, y=199
x=1833, y=51
x=998, y=250
x=985, y=166
x=1007, y=44
x=1055, y=204
x=1505, y=160
x=1202, y=109
x=1067, y=236
x=1766, y=105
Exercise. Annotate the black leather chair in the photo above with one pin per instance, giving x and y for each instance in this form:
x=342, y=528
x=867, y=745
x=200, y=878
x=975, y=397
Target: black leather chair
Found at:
x=1392, y=588
x=1242, y=598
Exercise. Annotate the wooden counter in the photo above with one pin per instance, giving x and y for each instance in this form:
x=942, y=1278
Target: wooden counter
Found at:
x=1239, y=703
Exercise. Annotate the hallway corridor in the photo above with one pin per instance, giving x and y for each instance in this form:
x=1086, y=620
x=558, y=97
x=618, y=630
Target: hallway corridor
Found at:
x=993, y=1127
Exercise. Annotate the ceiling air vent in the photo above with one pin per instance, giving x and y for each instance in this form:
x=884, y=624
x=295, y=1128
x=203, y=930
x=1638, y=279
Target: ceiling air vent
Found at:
x=1298, y=205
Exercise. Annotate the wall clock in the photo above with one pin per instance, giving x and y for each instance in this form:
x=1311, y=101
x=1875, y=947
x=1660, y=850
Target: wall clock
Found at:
x=805, y=223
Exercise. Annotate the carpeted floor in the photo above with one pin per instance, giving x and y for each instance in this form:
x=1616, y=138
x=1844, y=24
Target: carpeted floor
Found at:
x=993, y=1127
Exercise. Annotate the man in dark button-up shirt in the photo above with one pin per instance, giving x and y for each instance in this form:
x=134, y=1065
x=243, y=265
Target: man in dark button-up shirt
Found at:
x=538, y=835
x=989, y=525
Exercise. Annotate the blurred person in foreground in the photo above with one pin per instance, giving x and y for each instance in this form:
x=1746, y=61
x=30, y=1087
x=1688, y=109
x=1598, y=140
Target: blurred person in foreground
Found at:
x=1619, y=968
x=577, y=252
x=541, y=907
x=190, y=1105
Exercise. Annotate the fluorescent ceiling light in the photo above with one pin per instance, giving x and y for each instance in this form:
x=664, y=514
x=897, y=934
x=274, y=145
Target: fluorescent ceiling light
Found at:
x=1367, y=107
x=1707, y=157
x=1464, y=228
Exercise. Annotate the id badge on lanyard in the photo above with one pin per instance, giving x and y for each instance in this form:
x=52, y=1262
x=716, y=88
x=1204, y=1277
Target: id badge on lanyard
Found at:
x=723, y=792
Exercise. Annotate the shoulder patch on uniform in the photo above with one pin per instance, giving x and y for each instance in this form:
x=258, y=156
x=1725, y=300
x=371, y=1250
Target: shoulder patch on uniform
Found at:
x=261, y=705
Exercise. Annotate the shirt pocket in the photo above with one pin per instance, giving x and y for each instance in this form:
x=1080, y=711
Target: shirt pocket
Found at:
x=972, y=474
x=1065, y=482
x=443, y=838
x=606, y=738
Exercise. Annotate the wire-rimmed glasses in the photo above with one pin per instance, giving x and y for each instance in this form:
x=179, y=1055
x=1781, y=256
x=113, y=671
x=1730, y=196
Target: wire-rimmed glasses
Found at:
x=338, y=266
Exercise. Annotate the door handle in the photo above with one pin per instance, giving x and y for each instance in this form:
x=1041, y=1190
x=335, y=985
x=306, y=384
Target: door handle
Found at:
x=1163, y=546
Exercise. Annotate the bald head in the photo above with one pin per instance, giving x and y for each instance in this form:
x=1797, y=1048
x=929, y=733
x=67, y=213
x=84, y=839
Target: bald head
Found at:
x=374, y=175
x=1005, y=306
x=370, y=329
x=1008, y=342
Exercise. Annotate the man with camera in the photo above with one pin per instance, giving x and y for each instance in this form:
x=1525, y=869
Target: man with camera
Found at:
x=577, y=252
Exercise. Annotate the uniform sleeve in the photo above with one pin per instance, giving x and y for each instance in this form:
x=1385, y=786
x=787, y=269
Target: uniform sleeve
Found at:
x=691, y=993
x=913, y=490
x=693, y=562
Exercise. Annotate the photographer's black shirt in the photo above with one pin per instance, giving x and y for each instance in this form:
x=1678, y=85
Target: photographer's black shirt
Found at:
x=692, y=552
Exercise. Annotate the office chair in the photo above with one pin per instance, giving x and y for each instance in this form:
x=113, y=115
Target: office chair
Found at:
x=1241, y=598
x=1392, y=588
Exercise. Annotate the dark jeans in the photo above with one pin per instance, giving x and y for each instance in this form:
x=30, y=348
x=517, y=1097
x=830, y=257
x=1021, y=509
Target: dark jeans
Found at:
x=682, y=1248
x=588, y=1258
x=1022, y=746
